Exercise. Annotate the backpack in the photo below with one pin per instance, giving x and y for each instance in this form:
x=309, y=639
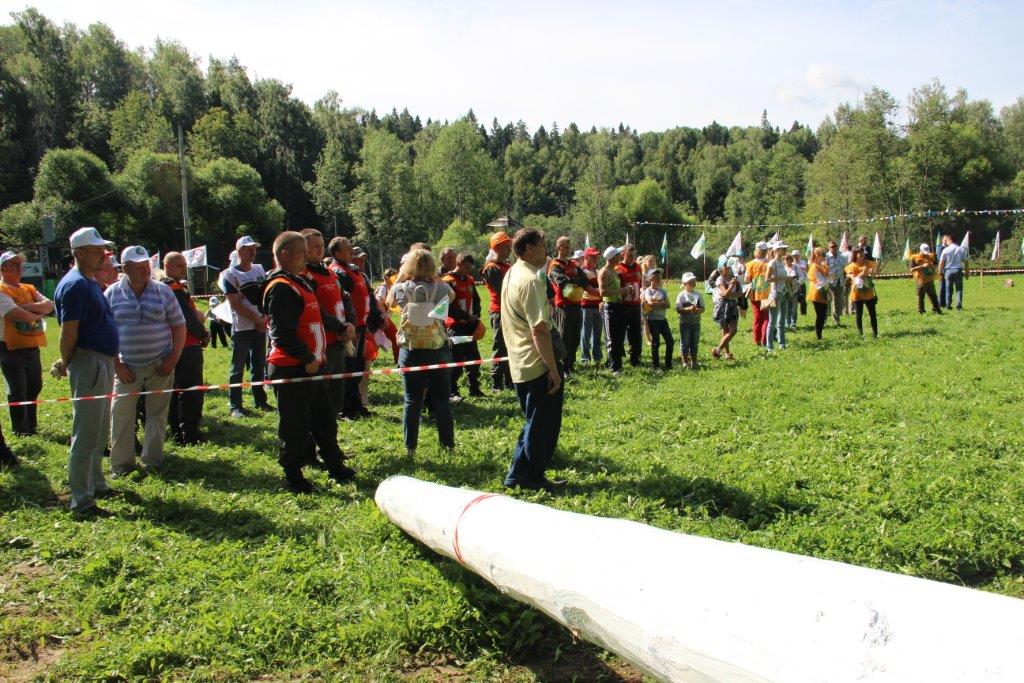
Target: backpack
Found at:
x=416, y=328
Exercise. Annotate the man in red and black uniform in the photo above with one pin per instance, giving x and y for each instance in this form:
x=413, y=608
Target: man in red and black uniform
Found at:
x=367, y=320
x=492, y=274
x=570, y=284
x=591, y=308
x=631, y=279
x=298, y=344
x=463, y=319
x=186, y=409
x=334, y=303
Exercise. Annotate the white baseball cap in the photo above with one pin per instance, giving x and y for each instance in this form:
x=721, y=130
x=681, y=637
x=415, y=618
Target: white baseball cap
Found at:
x=577, y=254
x=761, y=246
x=10, y=256
x=611, y=252
x=88, y=237
x=134, y=254
x=925, y=249
x=246, y=241
x=689, y=277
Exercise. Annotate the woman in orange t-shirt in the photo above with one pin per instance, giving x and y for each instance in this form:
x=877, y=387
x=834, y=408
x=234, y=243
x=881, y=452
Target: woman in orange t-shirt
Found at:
x=817, y=289
x=862, y=291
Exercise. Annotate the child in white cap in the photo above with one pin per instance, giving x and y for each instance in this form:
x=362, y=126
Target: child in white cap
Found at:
x=689, y=306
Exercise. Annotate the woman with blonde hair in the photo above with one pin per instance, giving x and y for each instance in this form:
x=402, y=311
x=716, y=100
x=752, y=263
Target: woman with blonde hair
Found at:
x=647, y=264
x=422, y=340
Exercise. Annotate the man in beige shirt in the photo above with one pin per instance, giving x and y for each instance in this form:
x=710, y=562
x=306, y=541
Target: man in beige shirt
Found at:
x=535, y=371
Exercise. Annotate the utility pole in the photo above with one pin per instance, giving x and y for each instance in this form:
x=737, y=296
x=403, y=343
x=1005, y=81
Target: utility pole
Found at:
x=184, y=199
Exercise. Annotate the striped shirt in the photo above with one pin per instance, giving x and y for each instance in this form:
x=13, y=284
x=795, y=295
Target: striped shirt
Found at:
x=144, y=324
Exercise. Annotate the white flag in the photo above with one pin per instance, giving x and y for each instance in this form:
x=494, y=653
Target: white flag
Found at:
x=844, y=244
x=195, y=258
x=997, y=249
x=876, y=250
x=965, y=246
x=154, y=261
x=736, y=248
x=698, y=249
x=774, y=239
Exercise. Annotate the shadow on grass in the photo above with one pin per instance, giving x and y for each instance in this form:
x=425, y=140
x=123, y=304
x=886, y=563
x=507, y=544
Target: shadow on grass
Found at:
x=221, y=474
x=31, y=487
x=207, y=523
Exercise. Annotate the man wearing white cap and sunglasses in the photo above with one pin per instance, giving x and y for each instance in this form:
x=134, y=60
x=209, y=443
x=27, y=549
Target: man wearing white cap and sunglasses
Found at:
x=248, y=326
x=151, y=330
x=88, y=344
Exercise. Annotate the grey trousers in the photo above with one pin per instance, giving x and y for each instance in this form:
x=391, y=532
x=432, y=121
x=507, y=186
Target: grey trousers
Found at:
x=837, y=293
x=122, y=423
x=90, y=373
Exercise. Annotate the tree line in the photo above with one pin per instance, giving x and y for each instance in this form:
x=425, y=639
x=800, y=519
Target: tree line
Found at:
x=90, y=136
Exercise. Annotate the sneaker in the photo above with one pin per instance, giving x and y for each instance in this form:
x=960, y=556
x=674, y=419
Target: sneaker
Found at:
x=302, y=485
x=237, y=413
x=7, y=457
x=455, y=398
x=265, y=407
x=92, y=512
x=343, y=474
x=130, y=470
x=477, y=393
x=363, y=411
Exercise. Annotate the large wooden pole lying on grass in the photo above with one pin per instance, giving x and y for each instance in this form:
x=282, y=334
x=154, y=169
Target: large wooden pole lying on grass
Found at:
x=686, y=608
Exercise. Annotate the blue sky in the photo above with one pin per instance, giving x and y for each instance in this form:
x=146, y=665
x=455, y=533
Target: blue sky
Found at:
x=648, y=64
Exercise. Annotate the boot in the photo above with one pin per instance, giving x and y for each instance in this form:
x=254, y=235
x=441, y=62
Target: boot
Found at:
x=693, y=362
x=686, y=359
x=7, y=457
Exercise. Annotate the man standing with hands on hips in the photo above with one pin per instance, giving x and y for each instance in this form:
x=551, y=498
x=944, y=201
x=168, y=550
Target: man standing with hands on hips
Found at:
x=88, y=344
x=533, y=363
x=248, y=327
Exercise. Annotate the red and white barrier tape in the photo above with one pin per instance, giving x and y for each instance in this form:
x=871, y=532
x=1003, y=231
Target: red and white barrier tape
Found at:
x=269, y=382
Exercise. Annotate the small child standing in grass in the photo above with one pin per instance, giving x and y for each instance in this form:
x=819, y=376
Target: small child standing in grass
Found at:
x=690, y=306
x=655, y=300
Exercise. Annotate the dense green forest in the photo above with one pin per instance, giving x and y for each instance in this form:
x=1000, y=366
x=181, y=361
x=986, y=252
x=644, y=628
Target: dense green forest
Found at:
x=89, y=136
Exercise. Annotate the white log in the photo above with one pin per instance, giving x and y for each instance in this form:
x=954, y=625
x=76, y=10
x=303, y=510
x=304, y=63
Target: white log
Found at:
x=687, y=608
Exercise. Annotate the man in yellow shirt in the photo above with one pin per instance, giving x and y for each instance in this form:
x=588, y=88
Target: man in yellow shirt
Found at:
x=533, y=365
x=925, y=271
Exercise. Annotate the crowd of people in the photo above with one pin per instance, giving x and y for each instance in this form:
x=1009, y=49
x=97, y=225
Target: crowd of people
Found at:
x=123, y=332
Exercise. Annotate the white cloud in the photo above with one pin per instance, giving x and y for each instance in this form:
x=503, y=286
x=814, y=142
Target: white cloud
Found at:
x=821, y=83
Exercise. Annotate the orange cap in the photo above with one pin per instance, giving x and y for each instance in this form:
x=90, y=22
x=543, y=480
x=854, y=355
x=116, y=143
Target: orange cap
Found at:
x=499, y=238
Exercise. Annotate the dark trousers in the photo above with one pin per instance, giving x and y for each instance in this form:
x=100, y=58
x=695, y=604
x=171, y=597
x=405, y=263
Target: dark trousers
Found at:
x=186, y=408
x=248, y=349
x=352, y=401
x=416, y=384
x=462, y=353
x=23, y=373
x=539, y=437
x=569, y=322
x=305, y=417
x=335, y=365
x=615, y=333
x=660, y=330
x=820, y=313
x=858, y=307
x=500, y=377
x=801, y=298
x=218, y=331
x=928, y=289
x=634, y=332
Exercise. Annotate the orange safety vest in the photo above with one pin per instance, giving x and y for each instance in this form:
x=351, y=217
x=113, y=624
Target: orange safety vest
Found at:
x=17, y=334
x=310, y=329
x=190, y=339
x=328, y=294
x=463, y=288
x=630, y=276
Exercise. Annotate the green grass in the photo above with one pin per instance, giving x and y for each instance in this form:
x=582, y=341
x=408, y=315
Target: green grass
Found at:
x=903, y=454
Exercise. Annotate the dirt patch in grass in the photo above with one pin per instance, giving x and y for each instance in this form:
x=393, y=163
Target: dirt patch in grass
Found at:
x=25, y=663
x=23, y=659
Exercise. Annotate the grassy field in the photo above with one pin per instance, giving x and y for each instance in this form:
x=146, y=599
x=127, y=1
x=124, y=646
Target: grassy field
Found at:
x=904, y=453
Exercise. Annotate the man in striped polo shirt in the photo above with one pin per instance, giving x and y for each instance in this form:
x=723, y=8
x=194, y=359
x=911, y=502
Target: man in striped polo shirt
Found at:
x=151, y=329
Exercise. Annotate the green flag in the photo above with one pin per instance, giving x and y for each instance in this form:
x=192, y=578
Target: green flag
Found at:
x=440, y=311
x=664, y=249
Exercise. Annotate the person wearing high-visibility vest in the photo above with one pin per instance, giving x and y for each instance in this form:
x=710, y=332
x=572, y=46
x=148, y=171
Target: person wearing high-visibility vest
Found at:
x=464, y=321
x=21, y=335
x=298, y=344
x=492, y=274
x=631, y=279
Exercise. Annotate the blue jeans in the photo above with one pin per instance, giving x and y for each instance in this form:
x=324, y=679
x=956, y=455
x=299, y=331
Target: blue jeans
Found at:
x=777, y=323
x=954, y=280
x=590, y=338
x=537, y=441
x=791, y=310
x=689, y=336
x=248, y=348
x=416, y=385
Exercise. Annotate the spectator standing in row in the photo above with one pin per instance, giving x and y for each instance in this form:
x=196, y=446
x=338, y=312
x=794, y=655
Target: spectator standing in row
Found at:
x=924, y=270
x=758, y=291
x=836, y=263
x=631, y=277
x=248, y=326
x=88, y=344
x=492, y=274
x=22, y=333
x=590, y=307
x=298, y=342
x=533, y=364
x=217, y=325
x=151, y=332
x=953, y=265
x=186, y=409
x=570, y=284
x=612, y=308
x=655, y=300
x=462, y=321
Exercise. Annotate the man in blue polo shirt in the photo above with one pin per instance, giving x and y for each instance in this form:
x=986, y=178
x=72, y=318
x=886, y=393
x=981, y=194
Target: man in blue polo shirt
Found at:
x=88, y=343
